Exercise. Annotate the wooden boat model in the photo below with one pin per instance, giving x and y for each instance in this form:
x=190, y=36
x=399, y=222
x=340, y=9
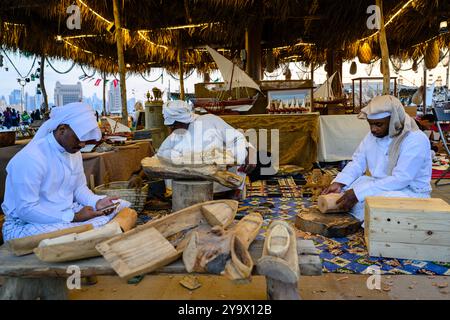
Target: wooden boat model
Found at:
x=154, y=167
x=234, y=77
x=162, y=241
x=279, y=258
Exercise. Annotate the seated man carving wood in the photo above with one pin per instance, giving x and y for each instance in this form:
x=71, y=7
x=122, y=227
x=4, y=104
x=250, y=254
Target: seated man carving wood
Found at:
x=396, y=153
x=46, y=186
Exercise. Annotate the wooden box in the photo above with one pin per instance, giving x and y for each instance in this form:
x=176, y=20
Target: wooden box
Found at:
x=408, y=228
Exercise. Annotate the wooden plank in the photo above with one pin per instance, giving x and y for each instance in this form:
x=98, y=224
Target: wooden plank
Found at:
x=136, y=253
x=23, y=246
x=409, y=221
x=432, y=237
x=410, y=251
x=423, y=205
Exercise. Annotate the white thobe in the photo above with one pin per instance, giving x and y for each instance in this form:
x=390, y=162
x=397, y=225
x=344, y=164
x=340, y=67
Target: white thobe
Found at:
x=207, y=132
x=410, y=177
x=45, y=187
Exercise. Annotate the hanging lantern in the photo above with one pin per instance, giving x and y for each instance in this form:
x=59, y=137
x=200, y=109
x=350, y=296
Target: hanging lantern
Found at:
x=353, y=68
x=432, y=55
x=270, y=61
x=365, y=53
x=414, y=66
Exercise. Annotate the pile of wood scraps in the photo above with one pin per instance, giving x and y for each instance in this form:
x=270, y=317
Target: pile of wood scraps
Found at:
x=205, y=235
x=316, y=182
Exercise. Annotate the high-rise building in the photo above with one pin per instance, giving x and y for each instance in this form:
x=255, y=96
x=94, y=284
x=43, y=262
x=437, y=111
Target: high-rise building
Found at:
x=14, y=97
x=67, y=93
x=114, y=100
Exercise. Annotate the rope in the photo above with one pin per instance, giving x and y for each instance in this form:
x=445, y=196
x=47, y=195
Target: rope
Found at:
x=184, y=78
x=275, y=76
x=18, y=72
x=307, y=71
x=60, y=72
x=85, y=73
x=150, y=80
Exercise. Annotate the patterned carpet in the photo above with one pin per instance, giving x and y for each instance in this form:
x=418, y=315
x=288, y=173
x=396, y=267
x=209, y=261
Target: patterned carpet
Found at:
x=339, y=255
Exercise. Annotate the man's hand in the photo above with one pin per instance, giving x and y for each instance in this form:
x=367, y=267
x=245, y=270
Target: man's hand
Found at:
x=347, y=201
x=335, y=187
x=105, y=202
x=135, y=182
x=247, y=168
x=86, y=213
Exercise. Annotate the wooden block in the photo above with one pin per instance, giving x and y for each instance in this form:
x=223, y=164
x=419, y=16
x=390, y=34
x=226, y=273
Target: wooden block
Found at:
x=75, y=246
x=306, y=247
x=408, y=228
x=138, y=252
x=330, y=225
x=126, y=218
x=327, y=202
x=218, y=214
x=310, y=265
x=26, y=245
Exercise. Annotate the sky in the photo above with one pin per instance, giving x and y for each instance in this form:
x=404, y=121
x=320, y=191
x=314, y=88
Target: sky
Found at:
x=137, y=87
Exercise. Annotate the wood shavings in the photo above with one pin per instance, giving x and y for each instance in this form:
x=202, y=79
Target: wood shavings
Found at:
x=343, y=278
x=190, y=282
x=442, y=285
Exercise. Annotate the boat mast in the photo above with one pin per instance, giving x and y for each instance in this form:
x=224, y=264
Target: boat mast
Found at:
x=231, y=81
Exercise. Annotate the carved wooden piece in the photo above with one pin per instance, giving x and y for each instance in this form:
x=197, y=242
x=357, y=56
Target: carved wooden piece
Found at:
x=153, y=167
x=26, y=245
x=138, y=252
x=126, y=218
x=280, y=267
x=218, y=214
x=327, y=202
x=82, y=245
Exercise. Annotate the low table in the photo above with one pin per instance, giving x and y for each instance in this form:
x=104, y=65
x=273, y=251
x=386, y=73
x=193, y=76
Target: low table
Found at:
x=27, y=277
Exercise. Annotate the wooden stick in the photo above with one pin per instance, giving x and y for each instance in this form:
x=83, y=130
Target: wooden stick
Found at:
x=384, y=51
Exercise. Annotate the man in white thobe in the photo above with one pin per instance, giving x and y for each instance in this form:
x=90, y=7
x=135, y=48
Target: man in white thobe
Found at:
x=46, y=186
x=396, y=153
x=197, y=134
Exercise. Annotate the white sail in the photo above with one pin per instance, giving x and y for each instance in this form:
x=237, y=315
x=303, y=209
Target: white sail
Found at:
x=116, y=126
x=325, y=91
x=231, y=72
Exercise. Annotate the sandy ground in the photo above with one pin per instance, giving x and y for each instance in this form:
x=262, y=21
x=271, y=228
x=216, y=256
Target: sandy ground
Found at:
x=328, y=286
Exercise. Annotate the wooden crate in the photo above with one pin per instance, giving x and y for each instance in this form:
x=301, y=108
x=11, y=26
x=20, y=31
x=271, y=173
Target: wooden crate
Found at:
x=408, y=228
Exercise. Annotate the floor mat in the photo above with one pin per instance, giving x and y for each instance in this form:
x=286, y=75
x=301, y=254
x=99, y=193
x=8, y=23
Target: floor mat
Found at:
x=339, y=255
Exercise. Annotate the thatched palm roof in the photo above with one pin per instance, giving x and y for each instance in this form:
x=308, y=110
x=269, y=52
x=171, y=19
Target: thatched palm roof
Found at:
x=150, y=40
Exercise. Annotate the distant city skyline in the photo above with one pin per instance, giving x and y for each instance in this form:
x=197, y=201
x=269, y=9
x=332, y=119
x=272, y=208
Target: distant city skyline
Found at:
x=137, y=87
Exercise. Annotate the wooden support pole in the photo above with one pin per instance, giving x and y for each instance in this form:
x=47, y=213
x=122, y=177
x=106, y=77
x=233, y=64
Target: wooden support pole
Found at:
x=384, y=51
x=181, y=68
x=312, y=84
x=424, y=103
x=104, y=93
x=253, y=35
x=42, y=83
x=120, y=56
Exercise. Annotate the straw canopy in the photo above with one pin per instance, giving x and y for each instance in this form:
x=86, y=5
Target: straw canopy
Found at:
x=154, y=30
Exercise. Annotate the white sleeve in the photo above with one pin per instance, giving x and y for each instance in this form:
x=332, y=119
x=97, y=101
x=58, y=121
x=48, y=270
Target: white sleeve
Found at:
x=26, y=185
x=355, y=168
x=414, y=152
x=234, y=140
x=83, y=195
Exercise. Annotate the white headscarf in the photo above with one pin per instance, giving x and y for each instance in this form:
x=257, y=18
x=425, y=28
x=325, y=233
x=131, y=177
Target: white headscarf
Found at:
x=178, y=110
x=78, y=115
x=399, y=126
